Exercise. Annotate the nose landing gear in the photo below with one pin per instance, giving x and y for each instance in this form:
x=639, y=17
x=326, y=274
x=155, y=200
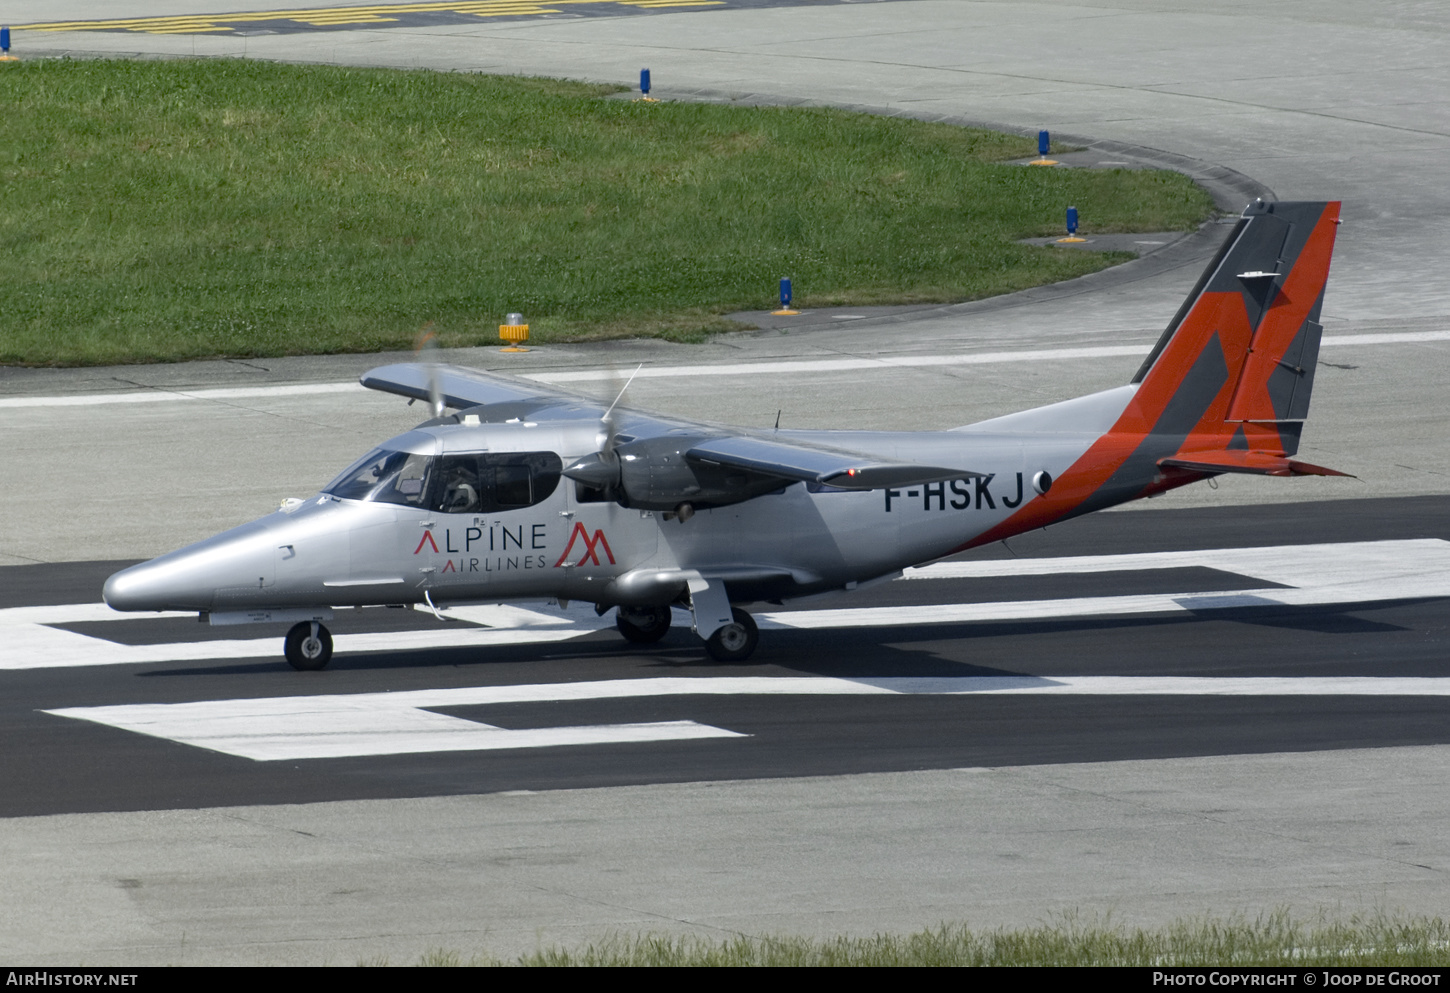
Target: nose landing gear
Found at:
x=308, y=646
x=736, y=641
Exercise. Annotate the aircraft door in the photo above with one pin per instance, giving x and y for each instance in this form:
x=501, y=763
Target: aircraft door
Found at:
x=495, y=512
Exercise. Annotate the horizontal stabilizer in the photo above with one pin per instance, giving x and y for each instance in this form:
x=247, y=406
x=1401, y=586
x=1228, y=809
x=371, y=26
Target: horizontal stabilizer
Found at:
x=830, y=467
x=1253, y=463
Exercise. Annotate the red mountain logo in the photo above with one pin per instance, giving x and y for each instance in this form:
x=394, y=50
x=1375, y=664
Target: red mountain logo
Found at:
x=591, y=546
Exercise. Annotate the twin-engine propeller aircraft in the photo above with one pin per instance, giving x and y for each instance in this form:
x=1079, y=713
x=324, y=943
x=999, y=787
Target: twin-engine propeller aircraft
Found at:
x=530, y=492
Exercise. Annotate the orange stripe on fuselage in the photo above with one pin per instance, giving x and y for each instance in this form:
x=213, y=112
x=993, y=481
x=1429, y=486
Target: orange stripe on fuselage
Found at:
x=1221, y=312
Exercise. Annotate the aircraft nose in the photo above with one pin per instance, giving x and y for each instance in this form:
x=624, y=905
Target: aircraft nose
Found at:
x=156, y=585
x=189, y=579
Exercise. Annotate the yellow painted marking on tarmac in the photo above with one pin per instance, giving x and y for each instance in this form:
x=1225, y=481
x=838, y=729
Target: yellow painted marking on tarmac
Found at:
x=280, y=15
x=369, y=19
x=331, y=16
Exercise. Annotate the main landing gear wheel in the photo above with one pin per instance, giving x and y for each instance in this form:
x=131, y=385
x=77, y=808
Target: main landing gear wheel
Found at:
x=734, y=642
x=308, y=646
x=643, y=625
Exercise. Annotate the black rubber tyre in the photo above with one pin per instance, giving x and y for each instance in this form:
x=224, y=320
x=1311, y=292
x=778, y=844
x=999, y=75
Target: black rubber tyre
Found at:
x=305, y=652
x=643, y=625
x=734, y=642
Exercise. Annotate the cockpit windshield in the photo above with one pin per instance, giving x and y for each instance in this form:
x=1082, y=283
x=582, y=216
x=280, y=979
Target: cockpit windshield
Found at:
x=385, y=476
x=472, y=483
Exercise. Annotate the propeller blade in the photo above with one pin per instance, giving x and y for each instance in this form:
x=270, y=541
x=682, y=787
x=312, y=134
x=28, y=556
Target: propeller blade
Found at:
x=602, y=470
x=426, y=350
x=609, y=423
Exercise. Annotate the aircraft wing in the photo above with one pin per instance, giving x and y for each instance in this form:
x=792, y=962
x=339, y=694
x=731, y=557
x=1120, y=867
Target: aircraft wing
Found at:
x=769, y=461
x=459, y=387
x=830, y=467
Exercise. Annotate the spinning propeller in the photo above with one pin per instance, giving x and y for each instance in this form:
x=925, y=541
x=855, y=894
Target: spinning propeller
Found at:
x=602, y=470
x=427, y=355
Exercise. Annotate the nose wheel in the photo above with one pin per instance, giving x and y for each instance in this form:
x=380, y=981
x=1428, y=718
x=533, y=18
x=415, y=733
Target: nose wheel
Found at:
x=308, y=646
x=736, y=641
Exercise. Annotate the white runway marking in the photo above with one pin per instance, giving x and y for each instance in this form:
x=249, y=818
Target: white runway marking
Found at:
x=308, y=727
x=686, y=371
x=1362, y=572
x=319, y=727
x=844, y=365
x=930, y=361
x=158, y=396
x=1318, y=575
x=1292, y=565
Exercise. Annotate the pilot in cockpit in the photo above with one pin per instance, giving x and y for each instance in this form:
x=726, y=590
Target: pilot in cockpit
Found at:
x=460, y=486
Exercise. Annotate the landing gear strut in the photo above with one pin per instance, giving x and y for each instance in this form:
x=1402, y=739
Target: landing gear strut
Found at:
x=643, y=625
x=736, y=641
x=308, y=646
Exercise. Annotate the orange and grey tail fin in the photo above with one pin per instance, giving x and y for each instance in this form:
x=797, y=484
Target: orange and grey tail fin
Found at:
x=1234, y=370
x=1226, y=389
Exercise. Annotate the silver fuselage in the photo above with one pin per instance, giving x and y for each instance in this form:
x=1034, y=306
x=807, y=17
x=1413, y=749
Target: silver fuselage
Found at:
x=798, y=540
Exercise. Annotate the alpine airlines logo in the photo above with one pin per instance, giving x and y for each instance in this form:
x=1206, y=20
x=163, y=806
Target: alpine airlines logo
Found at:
x=591, y=546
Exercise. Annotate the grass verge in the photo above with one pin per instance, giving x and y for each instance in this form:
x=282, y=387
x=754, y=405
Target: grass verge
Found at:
x=154, y=211
x=1274, y=940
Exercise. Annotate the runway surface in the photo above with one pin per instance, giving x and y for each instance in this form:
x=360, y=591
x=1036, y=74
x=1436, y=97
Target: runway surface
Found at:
x=1208, y=710
x=1230, y=701
x=1194, y=632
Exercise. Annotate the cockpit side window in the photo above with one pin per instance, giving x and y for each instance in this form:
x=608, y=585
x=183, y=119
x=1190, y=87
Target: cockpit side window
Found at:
x=489, y=482
x=460, y=488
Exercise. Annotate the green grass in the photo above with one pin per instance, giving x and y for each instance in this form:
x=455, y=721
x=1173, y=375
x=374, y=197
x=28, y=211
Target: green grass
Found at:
x=172, y=210
x=1275, y=940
